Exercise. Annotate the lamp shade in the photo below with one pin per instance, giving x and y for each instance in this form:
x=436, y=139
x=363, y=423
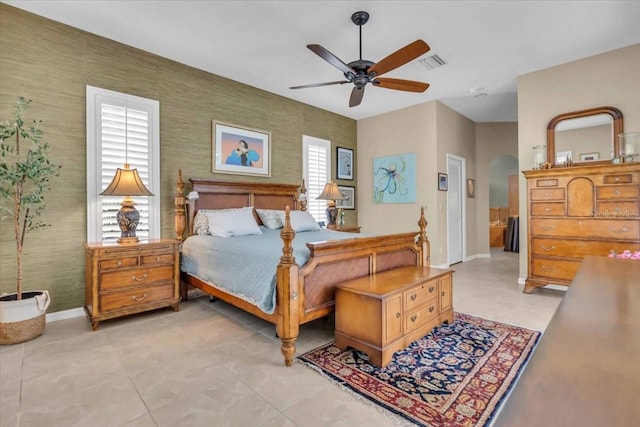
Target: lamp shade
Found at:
x=330, y=192
x=126, y=182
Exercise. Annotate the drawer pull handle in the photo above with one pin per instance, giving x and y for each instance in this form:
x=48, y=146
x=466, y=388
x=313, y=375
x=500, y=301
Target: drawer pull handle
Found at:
x=397, y=315
x=619, y=230
x=119, y=263
x=157, y=259
x=548, y=249
x=616, y=179
x=413, y=297
x=547, y=194
x=616, y=192
x=414, y=317
x=144, y=276
x=431, y=309
x=545, y=268
x=431, y=288
x=547, y=210
x=135, y=298
x=547, y=227
x=443, y=293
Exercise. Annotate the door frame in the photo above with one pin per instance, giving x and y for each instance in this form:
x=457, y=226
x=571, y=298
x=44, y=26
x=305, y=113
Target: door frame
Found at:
x=463, y=203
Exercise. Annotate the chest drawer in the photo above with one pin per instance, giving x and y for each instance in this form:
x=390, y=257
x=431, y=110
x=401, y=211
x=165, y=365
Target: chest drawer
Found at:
x=121, y=279
x=547, y=194
x=420, y=294
x=547, y=209
x=577, y=248
x=136, y=297
x=618, y=179
x=618, y=209
x=618, y=192
x=421, y=316
x=555, y=269
x=156, y=259
x=587, y=228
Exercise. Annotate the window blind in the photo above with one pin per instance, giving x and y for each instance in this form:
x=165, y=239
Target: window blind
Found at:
x=125, y=139
x=317, y=168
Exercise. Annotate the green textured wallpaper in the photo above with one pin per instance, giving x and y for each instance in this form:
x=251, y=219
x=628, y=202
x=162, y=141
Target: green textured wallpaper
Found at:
x=52, y=63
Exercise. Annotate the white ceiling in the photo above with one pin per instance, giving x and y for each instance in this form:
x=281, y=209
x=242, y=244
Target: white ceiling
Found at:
x=487, y=44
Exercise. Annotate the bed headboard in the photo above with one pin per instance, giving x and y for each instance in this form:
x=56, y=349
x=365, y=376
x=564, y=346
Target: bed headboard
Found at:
x=225, y=195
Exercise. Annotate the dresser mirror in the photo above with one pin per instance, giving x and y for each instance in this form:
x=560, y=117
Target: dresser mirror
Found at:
x=584, y=137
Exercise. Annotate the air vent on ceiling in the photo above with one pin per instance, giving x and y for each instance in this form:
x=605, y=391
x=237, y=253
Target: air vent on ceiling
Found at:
x=433, y=61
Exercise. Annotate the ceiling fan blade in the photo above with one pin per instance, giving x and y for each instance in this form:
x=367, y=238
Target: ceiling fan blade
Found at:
x=400, y=57
x=356, y=96
x=340, y=82
x=399, y=84
x=331, y=58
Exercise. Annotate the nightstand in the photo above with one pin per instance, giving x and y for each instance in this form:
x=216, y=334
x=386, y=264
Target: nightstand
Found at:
x=345, y=228
x=123, y=279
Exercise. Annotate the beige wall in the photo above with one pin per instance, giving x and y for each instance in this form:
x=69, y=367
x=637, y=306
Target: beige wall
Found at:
x=431, y=130
x=609, y=79
x=52, y=63
x=493, y=140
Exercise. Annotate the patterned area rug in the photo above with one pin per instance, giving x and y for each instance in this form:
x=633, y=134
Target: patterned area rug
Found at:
x=456, y=376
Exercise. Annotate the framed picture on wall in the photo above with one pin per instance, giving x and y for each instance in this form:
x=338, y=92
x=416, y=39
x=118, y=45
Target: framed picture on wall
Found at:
x=443, y=183
x=349, y=197
x=344, y=163
x=240, y=150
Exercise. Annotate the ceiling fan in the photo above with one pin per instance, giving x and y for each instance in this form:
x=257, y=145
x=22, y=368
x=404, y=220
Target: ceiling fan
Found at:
x=361, y=71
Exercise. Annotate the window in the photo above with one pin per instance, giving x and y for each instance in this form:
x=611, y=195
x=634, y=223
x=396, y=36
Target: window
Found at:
x=316, y=166
x=121, y=129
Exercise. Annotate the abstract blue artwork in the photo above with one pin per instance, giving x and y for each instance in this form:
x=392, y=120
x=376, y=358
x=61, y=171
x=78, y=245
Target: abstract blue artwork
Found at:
x=394, y=178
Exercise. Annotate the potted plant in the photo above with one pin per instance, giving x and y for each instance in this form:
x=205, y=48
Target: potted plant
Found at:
x=25, y=171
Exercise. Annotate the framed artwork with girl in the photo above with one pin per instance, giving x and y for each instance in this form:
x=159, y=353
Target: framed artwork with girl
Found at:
x=240, y=150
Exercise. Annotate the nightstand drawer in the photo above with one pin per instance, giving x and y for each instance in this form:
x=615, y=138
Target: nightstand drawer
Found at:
x=157, y=259
x=137, y=297
x=420, y=294
x=135, y=277
x=112, y=264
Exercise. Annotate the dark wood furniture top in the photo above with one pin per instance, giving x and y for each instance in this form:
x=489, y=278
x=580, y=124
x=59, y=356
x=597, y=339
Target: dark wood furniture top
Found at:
x=307, y=292
x=345, y=228
x=586, y=369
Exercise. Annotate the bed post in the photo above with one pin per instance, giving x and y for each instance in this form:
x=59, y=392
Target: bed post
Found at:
x=287, y=293
x=423, y=241
x=303, y=197
x=180, y=219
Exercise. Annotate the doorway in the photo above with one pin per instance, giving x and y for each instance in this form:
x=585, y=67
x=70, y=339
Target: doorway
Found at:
x=456, y=209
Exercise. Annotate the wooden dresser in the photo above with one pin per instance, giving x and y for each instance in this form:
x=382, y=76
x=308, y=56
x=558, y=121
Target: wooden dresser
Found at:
x=123, y=279
x=385, y=312
x=579, y=211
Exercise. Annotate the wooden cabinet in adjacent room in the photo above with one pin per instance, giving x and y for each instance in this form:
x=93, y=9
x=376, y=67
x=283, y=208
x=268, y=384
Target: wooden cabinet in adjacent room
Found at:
x=123, y=279
x=578, y=211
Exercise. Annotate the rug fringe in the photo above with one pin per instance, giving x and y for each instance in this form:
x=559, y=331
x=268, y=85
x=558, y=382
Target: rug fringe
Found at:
x=397, y=419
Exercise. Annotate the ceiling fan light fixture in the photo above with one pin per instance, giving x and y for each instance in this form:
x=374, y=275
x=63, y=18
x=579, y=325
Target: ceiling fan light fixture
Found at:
x=433, y=61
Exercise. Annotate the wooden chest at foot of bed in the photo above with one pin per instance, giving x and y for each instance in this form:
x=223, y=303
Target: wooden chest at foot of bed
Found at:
x=385, y=312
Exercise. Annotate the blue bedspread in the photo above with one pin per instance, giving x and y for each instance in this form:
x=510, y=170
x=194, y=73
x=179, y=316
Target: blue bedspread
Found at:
x=245, y=266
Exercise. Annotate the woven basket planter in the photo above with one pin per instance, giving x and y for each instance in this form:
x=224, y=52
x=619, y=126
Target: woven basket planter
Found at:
x=25, y=319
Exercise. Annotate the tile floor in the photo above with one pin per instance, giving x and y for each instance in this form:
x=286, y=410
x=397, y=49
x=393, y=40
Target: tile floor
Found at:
x=213, y=365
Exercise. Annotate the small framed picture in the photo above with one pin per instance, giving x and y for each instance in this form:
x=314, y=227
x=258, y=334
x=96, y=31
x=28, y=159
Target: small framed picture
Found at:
x=344, y=163
x=589, y=157
x=349, y=197
x=471, y=188
x=563, y=156
x=443, y=183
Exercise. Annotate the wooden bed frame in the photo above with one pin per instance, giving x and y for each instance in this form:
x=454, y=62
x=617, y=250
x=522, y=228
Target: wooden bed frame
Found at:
x=304, y=293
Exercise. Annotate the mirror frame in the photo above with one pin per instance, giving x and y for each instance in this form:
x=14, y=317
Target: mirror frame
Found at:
x=615, y=114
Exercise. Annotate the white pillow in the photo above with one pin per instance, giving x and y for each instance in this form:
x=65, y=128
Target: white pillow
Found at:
x=301, y=221
x=270, y=218
x=232, y=222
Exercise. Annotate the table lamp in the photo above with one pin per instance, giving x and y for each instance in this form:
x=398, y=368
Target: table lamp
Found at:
x=331, y=193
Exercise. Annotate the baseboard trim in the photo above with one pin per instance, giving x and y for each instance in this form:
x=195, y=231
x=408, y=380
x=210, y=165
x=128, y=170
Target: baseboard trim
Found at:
x=441, y=266
x=522, y=281
x=65, y=314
